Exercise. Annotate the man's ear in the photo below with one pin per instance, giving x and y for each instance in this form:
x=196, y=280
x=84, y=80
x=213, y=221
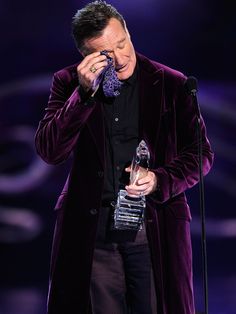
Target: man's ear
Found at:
x=81, y=51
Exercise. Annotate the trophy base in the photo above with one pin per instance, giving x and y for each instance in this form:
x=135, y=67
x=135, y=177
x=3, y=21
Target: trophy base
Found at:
x=129, y=212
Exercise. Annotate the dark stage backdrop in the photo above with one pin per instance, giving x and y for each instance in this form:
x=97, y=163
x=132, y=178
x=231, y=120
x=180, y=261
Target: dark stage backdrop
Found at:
x=196, y=37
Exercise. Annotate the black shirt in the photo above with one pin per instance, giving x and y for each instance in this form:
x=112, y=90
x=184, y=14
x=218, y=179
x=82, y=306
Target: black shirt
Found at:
x=121, y=115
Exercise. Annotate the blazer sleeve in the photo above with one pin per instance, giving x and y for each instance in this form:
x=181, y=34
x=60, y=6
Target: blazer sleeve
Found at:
x=182, y=171
x=66, y=113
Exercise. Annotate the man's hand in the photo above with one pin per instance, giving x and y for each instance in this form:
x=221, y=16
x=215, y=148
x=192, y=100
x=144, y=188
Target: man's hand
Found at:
x=90, y=68
x=143, y=186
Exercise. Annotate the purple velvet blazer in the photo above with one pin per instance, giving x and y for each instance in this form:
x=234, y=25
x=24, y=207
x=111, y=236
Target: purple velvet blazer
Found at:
x=167, y=124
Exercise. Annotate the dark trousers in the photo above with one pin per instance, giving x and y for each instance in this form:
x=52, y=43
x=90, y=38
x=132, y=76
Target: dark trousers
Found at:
x=122, y=279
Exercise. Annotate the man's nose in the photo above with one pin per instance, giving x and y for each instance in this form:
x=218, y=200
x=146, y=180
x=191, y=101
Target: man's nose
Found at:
x=118, y=59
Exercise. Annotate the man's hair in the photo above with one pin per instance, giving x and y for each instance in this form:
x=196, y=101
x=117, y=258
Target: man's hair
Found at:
x=90, y=21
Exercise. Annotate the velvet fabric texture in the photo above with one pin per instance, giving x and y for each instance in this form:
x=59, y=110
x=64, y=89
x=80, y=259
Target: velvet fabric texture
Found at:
x=167, y=124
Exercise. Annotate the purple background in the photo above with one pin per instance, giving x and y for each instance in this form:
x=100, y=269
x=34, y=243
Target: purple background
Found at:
x=195, y=37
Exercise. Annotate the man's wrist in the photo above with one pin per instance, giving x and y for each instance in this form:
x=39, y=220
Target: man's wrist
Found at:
x=84, y=95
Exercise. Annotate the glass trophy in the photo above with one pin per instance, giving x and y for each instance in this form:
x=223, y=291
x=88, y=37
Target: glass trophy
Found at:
x=129, y=211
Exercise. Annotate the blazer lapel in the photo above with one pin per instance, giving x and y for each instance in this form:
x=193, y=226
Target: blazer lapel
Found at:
x=151, y=97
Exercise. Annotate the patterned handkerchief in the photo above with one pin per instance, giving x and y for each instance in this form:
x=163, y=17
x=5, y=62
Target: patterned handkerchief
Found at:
x=110, y=82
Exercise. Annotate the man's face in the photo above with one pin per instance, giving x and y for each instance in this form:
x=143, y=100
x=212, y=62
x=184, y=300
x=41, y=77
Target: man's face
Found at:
x=116, y=41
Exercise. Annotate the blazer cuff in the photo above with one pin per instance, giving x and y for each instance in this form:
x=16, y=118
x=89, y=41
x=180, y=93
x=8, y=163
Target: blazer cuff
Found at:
x=163, y=190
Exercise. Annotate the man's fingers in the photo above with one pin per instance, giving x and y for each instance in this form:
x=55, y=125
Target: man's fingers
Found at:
x=91, y=56
x=148, y=178
x=88, y=70
x=144, y=180
x=144, y=186
x=135, y=189
x=94, y=61
x=128, y=169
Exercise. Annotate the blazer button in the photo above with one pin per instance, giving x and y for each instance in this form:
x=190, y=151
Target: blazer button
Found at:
x=93, y=211
x=100, y=174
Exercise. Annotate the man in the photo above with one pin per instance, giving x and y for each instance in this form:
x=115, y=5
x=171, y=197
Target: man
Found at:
x=94, y=268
